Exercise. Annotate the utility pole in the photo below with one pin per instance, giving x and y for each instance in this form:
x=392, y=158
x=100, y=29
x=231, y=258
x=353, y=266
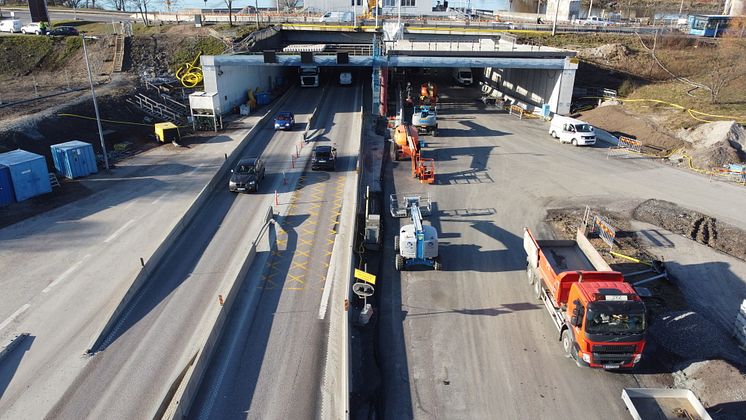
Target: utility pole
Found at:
x=256, y=6
x=95, y=104
x=376, y=13
x=398, y=21
x=590, y=8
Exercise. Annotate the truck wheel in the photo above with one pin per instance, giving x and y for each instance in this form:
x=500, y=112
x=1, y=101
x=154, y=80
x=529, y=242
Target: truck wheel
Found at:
x=537, y=289
x=554, y=135
x=396, y=243
x=574, y=142
x=567, y=342
x=399, y=262
x=530, y=274
x=437, y=265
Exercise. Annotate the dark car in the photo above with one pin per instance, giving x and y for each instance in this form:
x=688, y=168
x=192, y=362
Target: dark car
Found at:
x=284, y=121
x=323, y=158
x=247, y=175
x=63, y=31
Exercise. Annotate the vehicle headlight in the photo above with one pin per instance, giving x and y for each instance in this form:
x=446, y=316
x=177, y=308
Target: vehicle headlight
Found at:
x=637, y=358
x=232, y=183
x=252, y=182
x=586, y=357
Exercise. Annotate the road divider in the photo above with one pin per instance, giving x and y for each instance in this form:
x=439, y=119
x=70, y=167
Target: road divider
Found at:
x=113, y=322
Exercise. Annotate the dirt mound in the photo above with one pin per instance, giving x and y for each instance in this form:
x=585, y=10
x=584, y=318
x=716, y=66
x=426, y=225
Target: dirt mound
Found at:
x=617, y=121
x=714, y=382
x=716, y=144
x=608, y=52
x=694, y=225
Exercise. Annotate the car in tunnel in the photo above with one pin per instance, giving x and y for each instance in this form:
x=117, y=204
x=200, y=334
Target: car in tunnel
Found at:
x=247, y=175
x=284, y=120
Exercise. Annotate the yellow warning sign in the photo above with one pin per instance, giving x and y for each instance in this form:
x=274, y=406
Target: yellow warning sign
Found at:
x=366, y=277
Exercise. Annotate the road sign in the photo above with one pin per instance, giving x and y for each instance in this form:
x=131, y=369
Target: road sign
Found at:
x=366, y=277
x=363, y=290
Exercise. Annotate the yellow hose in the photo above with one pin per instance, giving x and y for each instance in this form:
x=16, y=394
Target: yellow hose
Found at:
x=189, y=74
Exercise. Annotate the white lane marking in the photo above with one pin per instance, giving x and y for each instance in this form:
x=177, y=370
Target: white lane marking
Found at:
x=119, y=231
x=65, y=274
x=10, y=319
x=197, y=168
x=160, y=197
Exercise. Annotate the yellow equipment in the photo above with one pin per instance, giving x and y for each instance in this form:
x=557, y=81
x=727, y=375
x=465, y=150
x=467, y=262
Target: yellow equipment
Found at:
x=167, y=132
x=189, y=74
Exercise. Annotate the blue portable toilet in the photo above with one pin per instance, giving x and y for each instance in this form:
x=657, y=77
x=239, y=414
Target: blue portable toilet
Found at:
x=28, y=172
x=74, y=159
x=6, y=186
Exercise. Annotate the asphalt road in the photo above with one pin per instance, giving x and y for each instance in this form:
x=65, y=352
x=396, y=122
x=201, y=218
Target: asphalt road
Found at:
x=102, y=16
x=158, y=334
x=470, y=341
x=269, y=364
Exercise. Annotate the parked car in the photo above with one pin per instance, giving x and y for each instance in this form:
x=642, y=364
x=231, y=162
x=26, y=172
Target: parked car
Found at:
x=284, y=120
x=570, y=130
x=595, y=20
x=247, y=175
x=345, y=78
x=10, y=25
x=337, y=17
x=63, y=31
x=323, y=158
x=463, y=76
x=34, y=28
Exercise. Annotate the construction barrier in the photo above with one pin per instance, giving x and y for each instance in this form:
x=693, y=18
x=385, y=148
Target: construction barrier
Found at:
x=604, y=229
x=630, y=144
x=516, y=110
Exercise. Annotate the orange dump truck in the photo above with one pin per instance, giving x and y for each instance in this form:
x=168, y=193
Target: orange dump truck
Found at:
x=600, y=317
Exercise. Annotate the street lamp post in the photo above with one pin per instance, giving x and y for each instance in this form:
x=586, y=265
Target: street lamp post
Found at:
x=95, y=104
x=556, y=15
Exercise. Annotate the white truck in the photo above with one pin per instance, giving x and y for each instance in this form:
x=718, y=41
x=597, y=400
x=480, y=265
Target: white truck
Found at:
x=463, y=76
x=309, y=76
x=571, y=130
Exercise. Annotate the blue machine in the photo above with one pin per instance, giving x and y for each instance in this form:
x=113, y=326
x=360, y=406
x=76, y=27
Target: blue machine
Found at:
x=417, y=243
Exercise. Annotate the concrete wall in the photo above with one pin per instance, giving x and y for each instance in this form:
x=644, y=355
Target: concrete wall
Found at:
x=533, y=87
x=568, y=10
x=234, y=81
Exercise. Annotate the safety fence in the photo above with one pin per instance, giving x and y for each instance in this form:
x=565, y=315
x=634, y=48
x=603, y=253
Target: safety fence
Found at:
x=604, y=230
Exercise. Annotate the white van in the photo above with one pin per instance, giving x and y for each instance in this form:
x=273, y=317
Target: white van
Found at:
x=337, y=17
x=570, y=130
x=463, y=76
x=10, y=25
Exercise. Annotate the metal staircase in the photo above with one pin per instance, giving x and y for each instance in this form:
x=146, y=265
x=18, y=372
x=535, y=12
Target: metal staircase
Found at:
x=119, y=46
x=158, y=110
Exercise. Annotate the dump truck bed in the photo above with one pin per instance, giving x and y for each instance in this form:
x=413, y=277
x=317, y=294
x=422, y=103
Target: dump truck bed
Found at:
x=565, y=255
x=663, y=404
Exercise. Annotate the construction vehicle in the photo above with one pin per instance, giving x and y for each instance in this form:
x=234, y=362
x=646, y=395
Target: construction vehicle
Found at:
x=425, y=118
x=407, y=145
x=428, y=94
x=600, y=317
x=417, y=243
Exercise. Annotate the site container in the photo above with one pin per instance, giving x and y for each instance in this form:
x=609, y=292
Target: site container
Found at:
x=263, y=98
x=6, y=186
x=74, y=159
x=29, y=173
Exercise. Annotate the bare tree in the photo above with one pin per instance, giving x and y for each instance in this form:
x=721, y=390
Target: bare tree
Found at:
x=290, y=4
x=229, y=3
x=142, y=7
x=75, y=4
x=119, y=5
x=728, y=64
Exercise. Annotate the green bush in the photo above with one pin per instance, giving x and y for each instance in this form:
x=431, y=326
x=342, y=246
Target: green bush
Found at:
x=626, y=88
x=19, y=54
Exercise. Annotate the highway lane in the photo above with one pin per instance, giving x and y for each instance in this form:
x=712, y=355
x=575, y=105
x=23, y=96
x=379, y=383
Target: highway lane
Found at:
x=471, y=341
x=64, y=268
x=270, y=362
x=56, y=15
x=157, y=334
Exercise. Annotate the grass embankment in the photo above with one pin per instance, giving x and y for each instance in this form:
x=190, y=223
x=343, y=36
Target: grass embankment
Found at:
x=189, y=48
x=20, y=54
x=696, y=60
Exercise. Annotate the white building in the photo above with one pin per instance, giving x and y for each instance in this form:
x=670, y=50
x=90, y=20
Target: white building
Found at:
x=388, y=7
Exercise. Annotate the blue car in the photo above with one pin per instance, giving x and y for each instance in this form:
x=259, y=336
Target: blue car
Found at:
x=284, y=121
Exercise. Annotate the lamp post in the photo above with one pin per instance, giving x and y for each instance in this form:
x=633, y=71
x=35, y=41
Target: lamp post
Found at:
x=556, y=14
x=95, y=104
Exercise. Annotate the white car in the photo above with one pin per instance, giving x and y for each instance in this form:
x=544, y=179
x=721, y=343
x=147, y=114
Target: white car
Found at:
x=345, y=78
x=595, y=20
x=10, y=25
x=33, y=28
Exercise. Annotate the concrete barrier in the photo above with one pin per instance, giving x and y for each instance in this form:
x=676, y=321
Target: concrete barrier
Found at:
x=177, y=406
x=335, y=382
x=739, y=331
x=101, y=342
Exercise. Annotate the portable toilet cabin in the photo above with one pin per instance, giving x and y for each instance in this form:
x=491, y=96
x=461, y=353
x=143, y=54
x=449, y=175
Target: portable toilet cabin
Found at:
x=74, y=159
x=6, y=187
x=28, y=172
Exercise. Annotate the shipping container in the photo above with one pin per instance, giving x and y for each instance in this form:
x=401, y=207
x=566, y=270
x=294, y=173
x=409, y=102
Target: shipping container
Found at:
x=6, y=187
x=29, y=173
x=74, y=159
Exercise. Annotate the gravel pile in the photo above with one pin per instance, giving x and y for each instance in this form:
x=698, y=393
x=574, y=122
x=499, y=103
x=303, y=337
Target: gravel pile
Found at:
x=714, y=382
x=716, y=144
x=691, y=336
